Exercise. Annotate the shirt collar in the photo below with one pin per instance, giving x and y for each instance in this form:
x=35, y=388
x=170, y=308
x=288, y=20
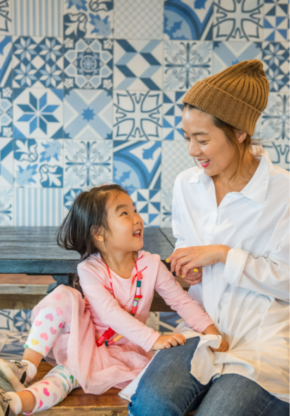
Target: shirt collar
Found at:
x=257, y=187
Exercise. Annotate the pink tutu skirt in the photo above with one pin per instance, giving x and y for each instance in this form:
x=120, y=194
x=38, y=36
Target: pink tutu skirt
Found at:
x=97, y=369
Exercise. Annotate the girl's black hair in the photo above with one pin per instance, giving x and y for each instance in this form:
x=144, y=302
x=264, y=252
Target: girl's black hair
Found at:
x=88, y=210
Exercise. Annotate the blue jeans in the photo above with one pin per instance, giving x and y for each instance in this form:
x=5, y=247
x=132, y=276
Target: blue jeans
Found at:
x=168, y=389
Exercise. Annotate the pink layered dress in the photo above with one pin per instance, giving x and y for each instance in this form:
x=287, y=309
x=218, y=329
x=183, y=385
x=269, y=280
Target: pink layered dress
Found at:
x=99, y=368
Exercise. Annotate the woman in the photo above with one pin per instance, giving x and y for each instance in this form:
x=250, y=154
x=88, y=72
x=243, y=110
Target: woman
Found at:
x=230, y=217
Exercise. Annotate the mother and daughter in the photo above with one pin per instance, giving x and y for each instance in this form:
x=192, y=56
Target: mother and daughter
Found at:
x=230, y=218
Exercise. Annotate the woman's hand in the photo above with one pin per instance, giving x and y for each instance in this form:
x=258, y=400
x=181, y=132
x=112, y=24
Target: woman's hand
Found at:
x=184, y=260
x=168, y=341
x=211, y=329
x=193, y=277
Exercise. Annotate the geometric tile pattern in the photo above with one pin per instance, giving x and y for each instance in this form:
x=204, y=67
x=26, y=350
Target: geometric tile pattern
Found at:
x=137, y=115
x=37, y=62
x=88, y=114
x=144, y=21
x=37, y=17
x=238, y=20
x=188, y=20
x=137, y=65
x=172, y=115
x=91, y=92
x=90, y=18
x=88, y=63
x=185, y=63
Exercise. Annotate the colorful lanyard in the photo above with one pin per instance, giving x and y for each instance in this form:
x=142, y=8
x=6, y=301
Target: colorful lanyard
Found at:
x=109, y=333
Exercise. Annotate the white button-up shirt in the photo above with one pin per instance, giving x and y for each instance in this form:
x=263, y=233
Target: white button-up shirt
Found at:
x=248, y=297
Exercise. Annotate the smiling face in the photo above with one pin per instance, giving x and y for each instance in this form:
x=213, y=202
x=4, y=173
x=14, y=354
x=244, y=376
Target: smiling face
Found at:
x=125, y=224
x=208, y=144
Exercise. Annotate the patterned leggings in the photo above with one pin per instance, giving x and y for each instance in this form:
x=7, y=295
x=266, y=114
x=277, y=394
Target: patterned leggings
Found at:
x=59, y=382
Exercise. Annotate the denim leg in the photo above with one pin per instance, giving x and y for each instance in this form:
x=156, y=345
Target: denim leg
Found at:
x=235, y=395
x=167, y=387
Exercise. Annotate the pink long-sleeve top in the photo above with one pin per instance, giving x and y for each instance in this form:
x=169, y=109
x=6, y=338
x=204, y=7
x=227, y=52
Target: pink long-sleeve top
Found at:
x=107, y=311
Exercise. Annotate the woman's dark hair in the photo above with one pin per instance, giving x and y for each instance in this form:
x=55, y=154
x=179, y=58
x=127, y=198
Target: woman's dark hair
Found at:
x=229, y=131
x=87, y=211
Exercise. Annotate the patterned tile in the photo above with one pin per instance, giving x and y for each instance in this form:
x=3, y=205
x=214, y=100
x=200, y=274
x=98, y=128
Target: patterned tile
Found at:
x=275, y=123
x=38, y=113
x=172, y=115
x=275, y=21
x=5, y=60
x=6, y=203
x=6, y=163
x=279, y=152
x=69, y=195
x=238, y=20
x=15, y=320
x=175, y=159
x=148, y=204
x=137, y=64
x=38, y=206
x=88, y=63
x=88, y=114
x=230, y=53
x=137, y=115
x=188, y=20
x=276, y=65
x=6, y=112
x=87, y=163
x=41, y=17
x=38, y=163
x=166, y=208
x=92, y=18
x=144, y=21
x=5, y=17
x=14, y=345
x=186, y=63
x=38, y=62
x=137, y=165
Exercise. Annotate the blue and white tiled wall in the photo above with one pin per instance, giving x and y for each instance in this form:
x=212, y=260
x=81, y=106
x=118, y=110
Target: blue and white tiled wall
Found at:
x=91, y=91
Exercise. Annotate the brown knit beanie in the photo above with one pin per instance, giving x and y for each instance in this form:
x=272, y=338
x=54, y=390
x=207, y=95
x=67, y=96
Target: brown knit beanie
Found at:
x=236, y=95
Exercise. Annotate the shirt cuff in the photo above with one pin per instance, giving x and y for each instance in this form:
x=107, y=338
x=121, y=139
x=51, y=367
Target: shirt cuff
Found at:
x=235, y=265
x=149, y=345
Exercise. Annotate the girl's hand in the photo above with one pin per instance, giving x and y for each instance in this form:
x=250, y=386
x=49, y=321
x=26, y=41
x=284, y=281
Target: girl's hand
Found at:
x=184, y=260
x=211, y=329
x=168, y=341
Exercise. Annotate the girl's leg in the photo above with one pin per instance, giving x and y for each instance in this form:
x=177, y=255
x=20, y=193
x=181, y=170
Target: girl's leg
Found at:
x=235, y=395
x=48, y=392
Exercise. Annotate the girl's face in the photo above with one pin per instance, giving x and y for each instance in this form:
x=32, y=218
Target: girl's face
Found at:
x=207, y=143
x=125, y=224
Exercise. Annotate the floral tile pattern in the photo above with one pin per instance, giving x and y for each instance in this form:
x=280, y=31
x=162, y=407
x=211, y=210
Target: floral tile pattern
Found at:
x=69, y=195
x=230, y=53
x=166, y=208
x=88, y=114
x=137, y=115
x=276, y=65
x=38, y=163
x=88, y=63
x=279, y=152
x=185, y=63
x=37, y=62
x=87, y=163
x=275, y=21
x=41, y=17
x=5, y=61
x=6, y=163
x=172, y=114
x=188, y=20
x=148, y=204
x=275, y=122
x=137, y=165
x=6, y=204
x=238, y=20
x=175, y=159
x=137, y=65
x=144, y=21
x=91, y=18
x=38, y=113
x=6, y=112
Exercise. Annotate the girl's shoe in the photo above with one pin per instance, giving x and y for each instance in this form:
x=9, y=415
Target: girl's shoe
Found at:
x=13, y=372
x=5, y=409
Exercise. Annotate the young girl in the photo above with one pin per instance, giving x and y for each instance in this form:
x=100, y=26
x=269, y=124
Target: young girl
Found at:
x=100, y=341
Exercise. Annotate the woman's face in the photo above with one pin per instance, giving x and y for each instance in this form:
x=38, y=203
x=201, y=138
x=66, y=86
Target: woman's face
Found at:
x=208, y=144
